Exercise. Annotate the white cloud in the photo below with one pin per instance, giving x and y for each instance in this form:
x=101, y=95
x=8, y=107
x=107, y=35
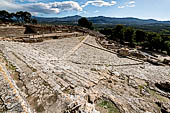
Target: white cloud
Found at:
x=43, y=8
x=133, y=5
x=96, y=11
x=85, y=12
x=131, y=2
x=99, y=3
x=8, y=4
x=128, y=4
x=66, y=5
x=40, y=8
x=121, y=7
x=29, y=0
x=113, y=2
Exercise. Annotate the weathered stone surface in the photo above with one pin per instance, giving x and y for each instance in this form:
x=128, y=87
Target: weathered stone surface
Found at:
x=124, y=52
x=10, y=31
x=68, y=75
x=165, y=107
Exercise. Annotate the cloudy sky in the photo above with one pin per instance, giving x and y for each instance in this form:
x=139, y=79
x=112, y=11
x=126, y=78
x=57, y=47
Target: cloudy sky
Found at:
x=145, y=9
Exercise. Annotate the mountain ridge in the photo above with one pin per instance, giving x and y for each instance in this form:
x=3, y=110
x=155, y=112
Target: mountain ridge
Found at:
x=101, y=20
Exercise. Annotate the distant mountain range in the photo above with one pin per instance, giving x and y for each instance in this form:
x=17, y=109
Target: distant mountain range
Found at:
x=101, y=20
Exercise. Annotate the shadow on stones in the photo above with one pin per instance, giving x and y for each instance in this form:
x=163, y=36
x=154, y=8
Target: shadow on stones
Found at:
x=163, y=86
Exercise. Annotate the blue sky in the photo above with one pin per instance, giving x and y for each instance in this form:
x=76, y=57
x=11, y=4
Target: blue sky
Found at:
x=144, y=9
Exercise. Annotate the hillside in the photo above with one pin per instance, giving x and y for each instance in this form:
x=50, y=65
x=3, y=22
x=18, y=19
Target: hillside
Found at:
x=102, y=20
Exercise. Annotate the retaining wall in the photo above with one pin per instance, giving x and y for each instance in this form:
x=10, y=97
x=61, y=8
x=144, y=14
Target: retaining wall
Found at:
x=10, y=31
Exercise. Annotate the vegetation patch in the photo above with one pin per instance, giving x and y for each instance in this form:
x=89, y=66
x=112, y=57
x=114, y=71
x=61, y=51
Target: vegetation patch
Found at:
x=10, y=66
x=52, y=99
x=141, y=87
x=154, y=94
x=106, y=106
x=40, y=108
x=33, y=69
x=12, y=70
x=139, y=38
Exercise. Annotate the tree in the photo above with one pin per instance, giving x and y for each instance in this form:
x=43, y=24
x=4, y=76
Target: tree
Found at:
x=150, y=35
x=156, y=42
x=146, y=44
x=83, y=22
x=23, y=17
x=149, y=38
x=164, y=39
x=129, y=35
x=107, y=32
x=119, y=32
x=26, y=16
x=34, y=21
x=140, y=36
x=19, y=17
x=167, y=47
x=4, y=16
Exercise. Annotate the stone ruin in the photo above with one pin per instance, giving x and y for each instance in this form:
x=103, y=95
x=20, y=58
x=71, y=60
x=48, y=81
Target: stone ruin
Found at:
x=76, y=74
x=38, y=33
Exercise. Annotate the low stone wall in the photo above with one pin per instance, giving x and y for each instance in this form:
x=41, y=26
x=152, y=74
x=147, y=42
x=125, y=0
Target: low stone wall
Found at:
x=10, y=31
x=39, y=38
x=27, y=30
x=38, y=29
x=42, y=29
x=7, y=31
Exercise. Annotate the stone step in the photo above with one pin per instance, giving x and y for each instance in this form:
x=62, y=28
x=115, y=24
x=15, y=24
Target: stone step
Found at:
x=80, y=78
